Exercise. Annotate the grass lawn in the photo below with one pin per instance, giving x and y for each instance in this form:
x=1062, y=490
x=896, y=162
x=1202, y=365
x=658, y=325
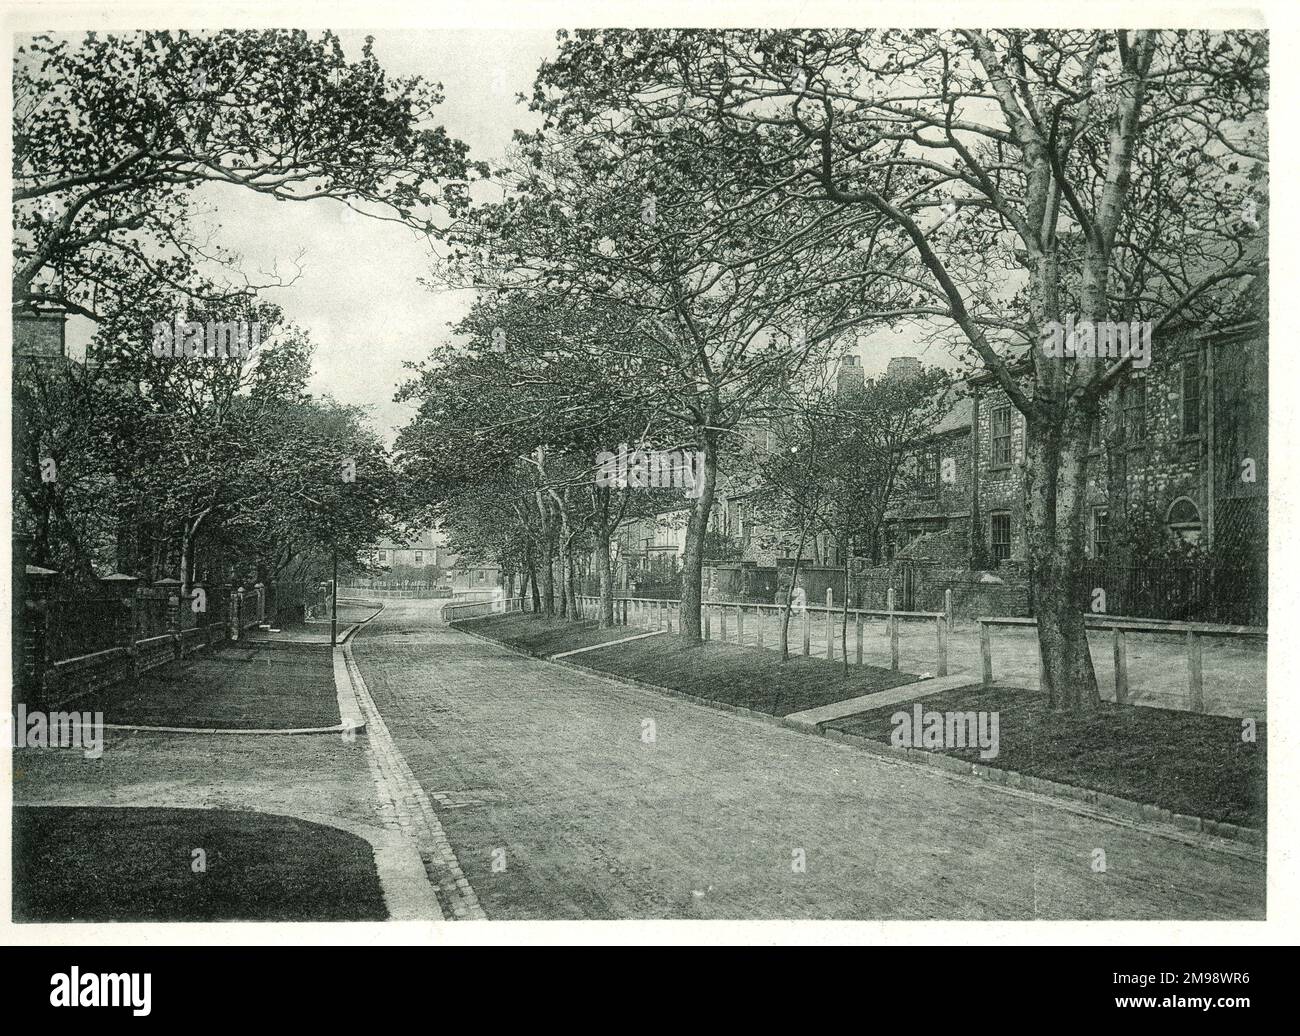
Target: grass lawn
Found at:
x=240, y=686
x=1183, y=761
x=540, y=636
x=123, y=864
x=747, y=677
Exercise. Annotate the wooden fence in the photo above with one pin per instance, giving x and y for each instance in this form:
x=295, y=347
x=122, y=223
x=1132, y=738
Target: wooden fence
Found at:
x=1120, y=629
x=664, y=614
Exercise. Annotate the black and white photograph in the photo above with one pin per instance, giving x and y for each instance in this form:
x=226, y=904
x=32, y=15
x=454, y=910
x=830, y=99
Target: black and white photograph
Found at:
x=535, y=471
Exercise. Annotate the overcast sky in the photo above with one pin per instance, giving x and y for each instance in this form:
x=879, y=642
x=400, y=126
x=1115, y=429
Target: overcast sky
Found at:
x=358, y=293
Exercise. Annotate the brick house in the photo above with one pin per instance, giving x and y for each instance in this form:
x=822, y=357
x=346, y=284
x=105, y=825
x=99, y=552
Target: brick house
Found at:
x=1179, y=457
x=421, y=558
x=425, y=559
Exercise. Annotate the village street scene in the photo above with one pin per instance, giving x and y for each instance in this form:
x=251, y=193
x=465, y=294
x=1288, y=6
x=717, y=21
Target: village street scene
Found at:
x=640, y=474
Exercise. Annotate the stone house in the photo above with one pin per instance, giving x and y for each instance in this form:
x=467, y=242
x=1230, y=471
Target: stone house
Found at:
x=1178, y=461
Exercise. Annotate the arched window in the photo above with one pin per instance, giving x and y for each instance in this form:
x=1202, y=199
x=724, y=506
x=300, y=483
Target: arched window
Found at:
x=1184, y=520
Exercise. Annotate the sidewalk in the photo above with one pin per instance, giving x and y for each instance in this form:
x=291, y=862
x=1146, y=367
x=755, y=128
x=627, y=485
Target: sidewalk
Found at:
x=328, y=778
x=316, y=631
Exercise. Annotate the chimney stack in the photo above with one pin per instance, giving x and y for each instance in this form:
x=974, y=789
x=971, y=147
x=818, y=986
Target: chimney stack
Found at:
x=848, y=381
x=903, y=368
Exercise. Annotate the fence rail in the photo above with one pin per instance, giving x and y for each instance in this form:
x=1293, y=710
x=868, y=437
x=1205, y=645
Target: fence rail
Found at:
x=457, y=609
x=661, y=613
x=1120, y=627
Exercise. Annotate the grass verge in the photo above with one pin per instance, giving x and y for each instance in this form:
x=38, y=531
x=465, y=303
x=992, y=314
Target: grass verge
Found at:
x=1182, y=761
x=237, y=687
x=741, y=676
x=138, y=864
x=541, y=637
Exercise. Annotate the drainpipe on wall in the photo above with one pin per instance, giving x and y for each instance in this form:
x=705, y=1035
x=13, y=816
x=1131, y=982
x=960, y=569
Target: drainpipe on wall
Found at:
x=976, y=532
x=1210, y=459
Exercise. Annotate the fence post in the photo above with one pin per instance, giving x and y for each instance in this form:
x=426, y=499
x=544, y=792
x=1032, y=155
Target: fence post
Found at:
x=740, y=625
x=830, y=625
x=986, y=655
x=893, y=631
x=1121, y=666
x=174, y=622
x=941, y=631
x=758, y=620
x=1194, y=684
x=707, y=617
x=722, y=623
x=857, y=637
x=947, y=607
x=624, y=611
x=807, y=630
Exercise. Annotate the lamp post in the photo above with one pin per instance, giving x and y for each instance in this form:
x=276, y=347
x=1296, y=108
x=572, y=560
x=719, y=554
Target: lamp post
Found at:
x=334, y=561
x=334, y=602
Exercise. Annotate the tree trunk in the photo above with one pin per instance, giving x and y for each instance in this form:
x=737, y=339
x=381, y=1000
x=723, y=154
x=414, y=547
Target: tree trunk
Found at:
x=789, y=594
x=1056, y=476
x=696, y=528
x=548, y=578
x=530, y=564
x=561, y=581
x=571, y=583
x=844, y=615
x=605, y=573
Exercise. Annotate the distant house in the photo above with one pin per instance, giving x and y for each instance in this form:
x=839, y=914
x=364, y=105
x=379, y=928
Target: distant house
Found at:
x=421, y=559
x=473, y=576
x=425, y=559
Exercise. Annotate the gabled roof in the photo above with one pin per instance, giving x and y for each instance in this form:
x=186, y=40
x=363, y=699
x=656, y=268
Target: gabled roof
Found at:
x=958, y=418
x=424, y=541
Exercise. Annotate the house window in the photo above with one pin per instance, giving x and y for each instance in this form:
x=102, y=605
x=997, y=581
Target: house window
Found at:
x=1002, y=437
x=383, y=556
x=1184, y=521
x=927, y=475
x=1192, y=394
x=1135, y=412
x=419, y=557
x=1100, y=531
x=1000, y=535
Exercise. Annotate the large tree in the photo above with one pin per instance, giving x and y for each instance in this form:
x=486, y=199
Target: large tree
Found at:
x=719, y=306
x=113, y=134
x=1007, y=179
x=510, y=423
